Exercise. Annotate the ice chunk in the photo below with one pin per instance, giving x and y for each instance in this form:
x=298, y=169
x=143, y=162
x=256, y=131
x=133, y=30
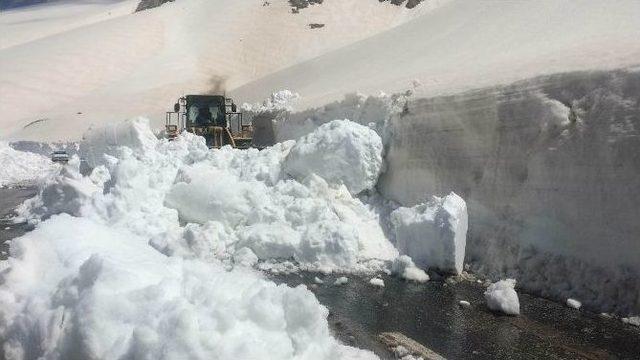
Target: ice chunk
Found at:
x=341, y=152
x=573, y=303
x=377, y=282
x=341, y=280
x=501, y=296
x=434, y=234
x=404, y=267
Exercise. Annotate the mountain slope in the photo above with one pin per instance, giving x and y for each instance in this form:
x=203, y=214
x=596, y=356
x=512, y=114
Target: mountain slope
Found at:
x=138, y=64
x=470, y=44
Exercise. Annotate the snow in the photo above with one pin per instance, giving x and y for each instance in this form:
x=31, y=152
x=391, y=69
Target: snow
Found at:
x=109, y=140
x=231, y=200
x=341, y=152
x=377, y=282
x=460, y=45
x=404, y=267
x=23, y=168
x=341, y=280
x=64, y=192
x=632, y=320
x=573, y=303
x=317, y=280
x=81, y=289
x=433, y=234
x=502, y=297
x=464, y=303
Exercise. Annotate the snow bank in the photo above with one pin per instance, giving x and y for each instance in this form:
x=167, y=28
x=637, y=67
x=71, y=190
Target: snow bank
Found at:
x=80, y=289
x=341, y=152
x=501, y=296
x=404, y=267
x=433, y=234
x=23, y=168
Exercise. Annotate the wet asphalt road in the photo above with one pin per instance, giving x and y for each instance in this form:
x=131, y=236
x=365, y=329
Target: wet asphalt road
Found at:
x=430, y=314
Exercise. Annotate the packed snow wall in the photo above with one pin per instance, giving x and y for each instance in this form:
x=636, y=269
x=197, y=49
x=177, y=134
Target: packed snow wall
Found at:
x=550, y=170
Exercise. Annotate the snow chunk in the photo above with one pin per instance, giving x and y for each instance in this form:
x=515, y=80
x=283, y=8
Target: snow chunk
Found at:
x=21, y=168
x=377, y=282
x=317, y=280
x=278, y=101
x=341, y=152
x=245, y=257
x=573, y=303
x=501, y=296
x=404, y=267
x=464, y=303
x=341, y=280
x=434, y=234
x=632, y=320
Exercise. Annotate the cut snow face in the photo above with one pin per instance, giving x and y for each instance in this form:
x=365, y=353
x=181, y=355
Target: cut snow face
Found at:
x=502, y=297
x=434, y=234
x=23, y=168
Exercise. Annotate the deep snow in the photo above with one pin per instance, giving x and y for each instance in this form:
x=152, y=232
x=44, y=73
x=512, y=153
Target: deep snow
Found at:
x=151, y=254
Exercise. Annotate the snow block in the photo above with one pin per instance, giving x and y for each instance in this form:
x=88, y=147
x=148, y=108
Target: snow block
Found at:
x=501, y=296
x=133, y=133
x=434, y=234
x=341, y=152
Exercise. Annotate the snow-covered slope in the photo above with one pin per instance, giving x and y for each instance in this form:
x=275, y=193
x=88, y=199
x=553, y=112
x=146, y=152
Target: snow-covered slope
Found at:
x=464, y=44
x=76, y=63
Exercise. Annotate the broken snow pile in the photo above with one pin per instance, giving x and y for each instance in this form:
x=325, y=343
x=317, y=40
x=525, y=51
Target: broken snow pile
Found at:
x=341, y=152
x=76, y=288
x=229, y=204
x=501, y=296
x=23, y=168
x=65, y=192
x=434, y=234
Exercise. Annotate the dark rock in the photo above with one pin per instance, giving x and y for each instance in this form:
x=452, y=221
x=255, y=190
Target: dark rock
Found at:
x=150, y=4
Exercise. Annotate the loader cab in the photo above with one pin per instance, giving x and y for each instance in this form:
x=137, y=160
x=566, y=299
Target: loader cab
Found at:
x=206, y=111
x=214, y=117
